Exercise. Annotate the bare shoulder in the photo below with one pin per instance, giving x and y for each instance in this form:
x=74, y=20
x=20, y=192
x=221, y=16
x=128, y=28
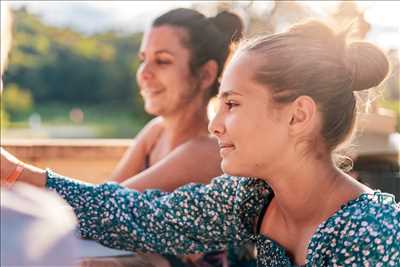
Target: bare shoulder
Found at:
x=202, y=144
x=202, y=149
x=201, y=157
x=150, y=132
x=155, y=125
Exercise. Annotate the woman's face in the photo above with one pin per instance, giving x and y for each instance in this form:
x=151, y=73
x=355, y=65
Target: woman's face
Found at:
x=251, y=133
x=165, y=80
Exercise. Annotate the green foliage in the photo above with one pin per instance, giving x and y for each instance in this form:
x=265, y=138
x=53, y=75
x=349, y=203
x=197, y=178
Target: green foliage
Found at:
x=4, y=119
x=109, y=120
x=60, y=65
x=16, y=101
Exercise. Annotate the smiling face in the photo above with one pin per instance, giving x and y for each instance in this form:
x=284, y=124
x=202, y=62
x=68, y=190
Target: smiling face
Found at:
x=251, y=132
x=164, y=76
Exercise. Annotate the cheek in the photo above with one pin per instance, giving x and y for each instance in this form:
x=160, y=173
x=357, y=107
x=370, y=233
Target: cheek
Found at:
x=231, y=132
x=185, y=86
x=242, y=132
x=252, y=136
x=241, y=128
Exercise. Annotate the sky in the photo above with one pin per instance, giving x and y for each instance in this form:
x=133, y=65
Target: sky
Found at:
x=95, y=16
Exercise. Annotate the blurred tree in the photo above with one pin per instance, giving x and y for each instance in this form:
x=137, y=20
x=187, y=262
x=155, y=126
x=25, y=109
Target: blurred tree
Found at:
x=4, y=119
x=16, y=101
x=61, y=65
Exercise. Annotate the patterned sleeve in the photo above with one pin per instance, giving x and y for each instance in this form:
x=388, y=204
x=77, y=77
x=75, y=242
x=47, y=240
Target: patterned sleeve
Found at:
x=195, y=218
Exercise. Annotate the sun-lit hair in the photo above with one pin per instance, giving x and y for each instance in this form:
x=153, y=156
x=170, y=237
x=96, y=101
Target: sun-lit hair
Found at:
x=311, y=59
x=5, y=33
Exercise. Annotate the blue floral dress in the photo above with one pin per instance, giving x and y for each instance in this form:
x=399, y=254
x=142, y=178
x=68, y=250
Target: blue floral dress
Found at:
x=197, y=218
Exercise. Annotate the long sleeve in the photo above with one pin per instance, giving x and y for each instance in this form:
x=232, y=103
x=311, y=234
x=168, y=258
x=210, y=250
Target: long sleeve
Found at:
x=195, y=218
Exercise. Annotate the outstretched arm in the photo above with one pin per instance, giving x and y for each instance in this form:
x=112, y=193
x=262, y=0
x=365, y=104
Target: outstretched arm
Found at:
x=195, y=218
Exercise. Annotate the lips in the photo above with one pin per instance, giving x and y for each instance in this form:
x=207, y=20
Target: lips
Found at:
x=150, y=92
x=225, y=148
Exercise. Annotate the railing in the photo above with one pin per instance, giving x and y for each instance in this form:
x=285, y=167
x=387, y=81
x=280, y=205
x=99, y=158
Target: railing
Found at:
x=90, y=160
x=93, y=160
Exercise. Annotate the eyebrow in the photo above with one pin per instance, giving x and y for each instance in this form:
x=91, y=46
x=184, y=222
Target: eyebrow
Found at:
x=228, y=93
x=141, y=53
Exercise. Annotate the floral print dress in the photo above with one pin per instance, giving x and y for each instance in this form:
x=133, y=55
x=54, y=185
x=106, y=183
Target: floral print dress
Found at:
x=204, y=218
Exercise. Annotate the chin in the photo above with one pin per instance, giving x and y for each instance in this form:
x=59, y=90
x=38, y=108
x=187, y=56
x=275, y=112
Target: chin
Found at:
x=235, y=169
x=229, y=168
x=152, y=110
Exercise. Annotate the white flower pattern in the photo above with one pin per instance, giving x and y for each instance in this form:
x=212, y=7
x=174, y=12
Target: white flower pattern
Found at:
x=203, y=218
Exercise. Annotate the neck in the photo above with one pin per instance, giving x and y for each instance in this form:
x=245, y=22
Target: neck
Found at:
x=185, y=124
x=311, y=190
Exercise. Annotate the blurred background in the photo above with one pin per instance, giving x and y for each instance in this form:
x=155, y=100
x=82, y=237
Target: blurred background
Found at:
x=72, y=65
x=71, y=76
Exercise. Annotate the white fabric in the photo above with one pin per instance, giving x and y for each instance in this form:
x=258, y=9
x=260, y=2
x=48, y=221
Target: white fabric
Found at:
x=37, y=228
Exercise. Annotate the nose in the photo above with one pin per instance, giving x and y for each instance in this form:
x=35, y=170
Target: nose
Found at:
x=216, y=126
x=145, y=72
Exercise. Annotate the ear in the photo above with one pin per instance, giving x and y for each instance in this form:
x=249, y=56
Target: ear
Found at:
x=208, y=74
x=303, y=115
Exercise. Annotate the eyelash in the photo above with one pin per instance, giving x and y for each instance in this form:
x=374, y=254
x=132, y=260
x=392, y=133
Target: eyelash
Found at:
x=231, y=104
x=162, y=62
x=158, y=61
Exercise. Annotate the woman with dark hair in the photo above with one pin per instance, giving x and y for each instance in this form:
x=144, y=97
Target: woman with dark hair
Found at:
x=182, y=57
x=287, y=101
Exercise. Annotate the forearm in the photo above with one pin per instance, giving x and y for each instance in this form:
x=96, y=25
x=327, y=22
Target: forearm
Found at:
x=130, y=164
x=124, y=171
x=182, y=222
x=178, y=168
x=33, y=175
x=12, y=170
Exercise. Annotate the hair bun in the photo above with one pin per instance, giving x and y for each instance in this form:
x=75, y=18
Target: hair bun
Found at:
x=368, y=64
x=230, y=24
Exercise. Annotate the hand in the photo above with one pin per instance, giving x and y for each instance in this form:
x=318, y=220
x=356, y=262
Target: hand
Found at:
x=7, y=164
